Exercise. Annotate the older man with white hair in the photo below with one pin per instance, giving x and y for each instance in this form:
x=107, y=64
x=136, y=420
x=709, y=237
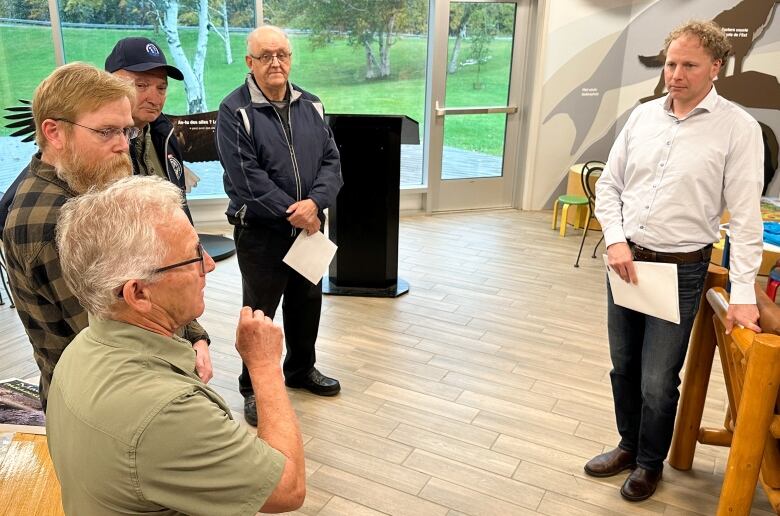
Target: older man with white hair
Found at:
x=282, y=170
x=131, y=428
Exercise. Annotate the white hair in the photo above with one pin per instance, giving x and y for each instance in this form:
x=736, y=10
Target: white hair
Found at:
x=262, y=29
x=108, y=237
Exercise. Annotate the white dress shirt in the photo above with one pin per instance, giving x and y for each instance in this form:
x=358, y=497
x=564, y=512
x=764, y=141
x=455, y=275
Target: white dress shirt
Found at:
x=668, y=180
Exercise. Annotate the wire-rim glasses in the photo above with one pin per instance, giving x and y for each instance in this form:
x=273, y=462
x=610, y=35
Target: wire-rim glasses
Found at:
x=110, y=132
x=266, y=59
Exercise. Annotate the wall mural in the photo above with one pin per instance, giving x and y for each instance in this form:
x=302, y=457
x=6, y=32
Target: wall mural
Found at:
x=589, y=110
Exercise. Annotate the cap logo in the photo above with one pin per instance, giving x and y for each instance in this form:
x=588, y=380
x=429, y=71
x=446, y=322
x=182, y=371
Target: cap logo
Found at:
x=152, y=50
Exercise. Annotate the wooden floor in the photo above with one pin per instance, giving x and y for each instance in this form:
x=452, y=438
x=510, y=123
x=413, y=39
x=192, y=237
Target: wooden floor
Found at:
x=482, y=391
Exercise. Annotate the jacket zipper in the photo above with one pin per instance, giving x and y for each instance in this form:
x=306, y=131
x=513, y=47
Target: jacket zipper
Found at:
x=165, y=159
x=292, y=153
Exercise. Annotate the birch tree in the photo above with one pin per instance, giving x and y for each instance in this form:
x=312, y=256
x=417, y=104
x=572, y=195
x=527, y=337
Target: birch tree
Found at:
x=168, y=17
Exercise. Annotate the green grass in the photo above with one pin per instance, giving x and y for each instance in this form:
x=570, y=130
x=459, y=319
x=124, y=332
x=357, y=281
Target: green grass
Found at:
x=334, y=73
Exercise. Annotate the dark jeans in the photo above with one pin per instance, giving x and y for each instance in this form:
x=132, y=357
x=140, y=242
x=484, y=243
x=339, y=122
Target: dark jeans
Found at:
x=647, y=355
x=265, y=279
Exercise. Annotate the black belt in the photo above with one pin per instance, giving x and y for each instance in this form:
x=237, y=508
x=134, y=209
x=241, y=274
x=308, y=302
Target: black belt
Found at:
x=642, y=254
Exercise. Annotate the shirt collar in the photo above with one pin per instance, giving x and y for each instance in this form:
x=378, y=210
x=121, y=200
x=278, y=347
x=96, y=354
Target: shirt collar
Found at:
x=708, y=103
x=117, y=334
x=47, y=172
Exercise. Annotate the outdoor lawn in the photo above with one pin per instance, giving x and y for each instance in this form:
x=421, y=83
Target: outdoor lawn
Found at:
x=334, y=73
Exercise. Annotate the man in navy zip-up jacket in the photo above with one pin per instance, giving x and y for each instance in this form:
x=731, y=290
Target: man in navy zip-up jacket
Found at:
x=282, y=170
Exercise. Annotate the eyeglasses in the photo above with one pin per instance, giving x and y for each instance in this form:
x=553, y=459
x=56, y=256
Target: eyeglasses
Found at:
x=107, y=134
x=200, y=259
x=267, y=59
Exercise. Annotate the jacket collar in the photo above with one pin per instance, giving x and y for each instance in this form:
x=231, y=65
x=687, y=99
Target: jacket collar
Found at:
x=256, y=94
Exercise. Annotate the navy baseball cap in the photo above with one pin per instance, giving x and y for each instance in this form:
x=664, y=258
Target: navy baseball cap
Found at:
x=139, y=55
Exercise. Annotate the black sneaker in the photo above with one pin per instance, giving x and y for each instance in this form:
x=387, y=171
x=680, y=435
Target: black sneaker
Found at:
x=250, y=410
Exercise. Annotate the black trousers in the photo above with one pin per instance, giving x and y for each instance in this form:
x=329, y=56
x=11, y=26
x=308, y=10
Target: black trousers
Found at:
x=265, y=279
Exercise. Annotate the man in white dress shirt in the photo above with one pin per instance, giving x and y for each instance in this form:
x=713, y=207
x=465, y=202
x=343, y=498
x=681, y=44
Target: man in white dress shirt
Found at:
x=678, y=162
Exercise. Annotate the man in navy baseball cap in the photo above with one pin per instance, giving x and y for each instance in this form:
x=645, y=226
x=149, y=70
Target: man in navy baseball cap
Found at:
x=155, y=152
x=139, y=55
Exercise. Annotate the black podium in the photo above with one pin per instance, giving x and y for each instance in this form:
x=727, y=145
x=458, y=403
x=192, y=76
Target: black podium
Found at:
x=364, y=221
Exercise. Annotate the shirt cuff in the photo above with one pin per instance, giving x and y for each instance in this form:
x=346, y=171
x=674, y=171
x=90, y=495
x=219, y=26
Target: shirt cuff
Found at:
x=614, y=235
x=742, y=294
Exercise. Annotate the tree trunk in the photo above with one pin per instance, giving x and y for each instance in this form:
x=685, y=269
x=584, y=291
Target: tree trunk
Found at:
x=452, y=67
x=226, y=38
x=197, y=103
x=385, y=42
x=460, y=33
x=193, y=83
x=371, y=64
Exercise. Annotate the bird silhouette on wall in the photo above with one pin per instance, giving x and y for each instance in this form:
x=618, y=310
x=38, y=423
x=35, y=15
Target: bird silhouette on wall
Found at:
x=744, y=24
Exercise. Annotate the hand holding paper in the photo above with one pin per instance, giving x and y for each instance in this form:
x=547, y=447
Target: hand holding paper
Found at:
x=310, y=255
x=655, y=294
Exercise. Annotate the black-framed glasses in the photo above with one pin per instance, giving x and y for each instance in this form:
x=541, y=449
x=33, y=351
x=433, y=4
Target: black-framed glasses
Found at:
x=200, y=258
x=266, y=59
x=110, y=132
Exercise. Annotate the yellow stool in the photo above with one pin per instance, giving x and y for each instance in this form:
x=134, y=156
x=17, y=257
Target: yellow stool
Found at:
x=570, y=200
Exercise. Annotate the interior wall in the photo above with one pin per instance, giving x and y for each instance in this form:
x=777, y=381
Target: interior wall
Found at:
x=591, y=76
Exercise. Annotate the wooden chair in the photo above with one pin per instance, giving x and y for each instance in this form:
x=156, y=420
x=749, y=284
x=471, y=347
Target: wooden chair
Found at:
x=751, y=369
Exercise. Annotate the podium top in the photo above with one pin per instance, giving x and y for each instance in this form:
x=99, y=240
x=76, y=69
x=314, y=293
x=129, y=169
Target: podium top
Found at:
x=409, y=128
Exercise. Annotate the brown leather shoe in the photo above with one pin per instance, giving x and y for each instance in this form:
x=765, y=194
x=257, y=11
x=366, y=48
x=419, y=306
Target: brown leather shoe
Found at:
x=610, y=463
x=640, y=484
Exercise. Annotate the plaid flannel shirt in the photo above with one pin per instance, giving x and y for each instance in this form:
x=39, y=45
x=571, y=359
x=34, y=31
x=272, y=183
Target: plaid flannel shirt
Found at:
x=50, y=313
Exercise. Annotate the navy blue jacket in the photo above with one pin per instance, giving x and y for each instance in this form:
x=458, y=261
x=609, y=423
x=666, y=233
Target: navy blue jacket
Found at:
x=264, y=172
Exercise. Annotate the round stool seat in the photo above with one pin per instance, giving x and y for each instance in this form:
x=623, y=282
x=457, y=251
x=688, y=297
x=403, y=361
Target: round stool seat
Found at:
x=576, y=200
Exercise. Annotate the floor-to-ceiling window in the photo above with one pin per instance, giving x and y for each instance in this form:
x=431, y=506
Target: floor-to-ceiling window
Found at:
x=361, y=56
x=358, y=56
x=26, y=57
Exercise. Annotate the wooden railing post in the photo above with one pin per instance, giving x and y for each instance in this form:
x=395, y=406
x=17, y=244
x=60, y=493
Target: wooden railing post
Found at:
x=701, y=351
x=756, y=410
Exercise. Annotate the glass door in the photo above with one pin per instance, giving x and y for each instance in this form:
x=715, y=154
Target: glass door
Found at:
x=478, y=51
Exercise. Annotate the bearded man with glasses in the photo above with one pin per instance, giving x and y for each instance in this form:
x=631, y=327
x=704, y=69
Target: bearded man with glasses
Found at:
x=282, y=170
x=83, y=122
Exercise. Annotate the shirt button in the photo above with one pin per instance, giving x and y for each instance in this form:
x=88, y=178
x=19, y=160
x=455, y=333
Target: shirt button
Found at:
x=661, y=164
x=676, y=121
x=641, y=227
x=668, y=143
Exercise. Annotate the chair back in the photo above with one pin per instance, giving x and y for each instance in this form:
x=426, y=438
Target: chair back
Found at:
x=591, y=171
x=751, y=370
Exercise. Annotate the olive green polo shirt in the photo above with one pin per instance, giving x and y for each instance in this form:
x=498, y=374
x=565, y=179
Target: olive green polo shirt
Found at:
x=131, y=429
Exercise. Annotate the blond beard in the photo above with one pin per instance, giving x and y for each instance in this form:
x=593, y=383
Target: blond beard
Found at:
x=81, y=172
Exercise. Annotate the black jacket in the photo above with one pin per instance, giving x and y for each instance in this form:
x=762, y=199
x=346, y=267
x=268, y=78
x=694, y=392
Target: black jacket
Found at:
x=169, y=154
x=265, y=172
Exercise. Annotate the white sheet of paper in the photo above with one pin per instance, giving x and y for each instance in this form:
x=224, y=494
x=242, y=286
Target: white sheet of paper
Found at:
x=655, y=294
x=310, y=255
